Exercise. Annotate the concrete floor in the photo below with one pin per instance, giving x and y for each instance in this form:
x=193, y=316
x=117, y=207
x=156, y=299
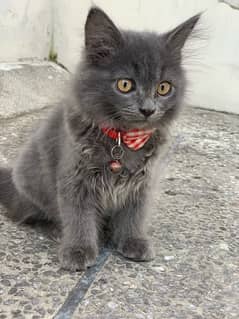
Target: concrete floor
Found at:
x=195, y=227
x=27, y=87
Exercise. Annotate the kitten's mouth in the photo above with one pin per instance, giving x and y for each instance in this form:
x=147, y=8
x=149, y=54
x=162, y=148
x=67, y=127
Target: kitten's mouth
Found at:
x=142, y=122
x=126, y=122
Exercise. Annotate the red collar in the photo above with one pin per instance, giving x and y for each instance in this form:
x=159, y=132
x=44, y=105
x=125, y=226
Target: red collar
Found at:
x=133, y=139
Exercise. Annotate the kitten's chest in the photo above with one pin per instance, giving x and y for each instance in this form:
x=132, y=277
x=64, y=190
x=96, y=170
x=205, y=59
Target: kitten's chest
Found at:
x=118, y=187
x=125, y=182
x=112, y=189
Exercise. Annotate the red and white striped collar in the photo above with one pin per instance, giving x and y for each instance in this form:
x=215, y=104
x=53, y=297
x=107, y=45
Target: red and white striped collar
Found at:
x=134, y=139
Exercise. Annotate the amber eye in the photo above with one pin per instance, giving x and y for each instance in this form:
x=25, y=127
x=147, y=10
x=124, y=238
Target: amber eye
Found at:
x=124, y=85
x=164, y=88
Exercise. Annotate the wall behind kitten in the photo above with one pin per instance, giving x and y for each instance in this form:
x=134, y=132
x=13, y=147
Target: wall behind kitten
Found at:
x=33, y=29
x=25, y=29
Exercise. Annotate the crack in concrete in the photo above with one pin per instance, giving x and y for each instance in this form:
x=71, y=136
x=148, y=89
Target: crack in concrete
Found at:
x=78, y=293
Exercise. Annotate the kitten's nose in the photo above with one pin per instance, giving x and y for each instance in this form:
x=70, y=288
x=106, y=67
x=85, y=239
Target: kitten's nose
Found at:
x=147, y=112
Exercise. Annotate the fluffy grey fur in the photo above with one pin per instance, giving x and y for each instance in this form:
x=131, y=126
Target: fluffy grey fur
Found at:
x=62, y=175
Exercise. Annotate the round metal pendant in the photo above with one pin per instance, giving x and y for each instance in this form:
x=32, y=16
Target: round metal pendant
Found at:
x=117, y=152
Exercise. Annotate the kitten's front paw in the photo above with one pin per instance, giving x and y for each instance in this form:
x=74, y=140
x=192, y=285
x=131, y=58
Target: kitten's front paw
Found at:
x=77, y=259
x=137, y=249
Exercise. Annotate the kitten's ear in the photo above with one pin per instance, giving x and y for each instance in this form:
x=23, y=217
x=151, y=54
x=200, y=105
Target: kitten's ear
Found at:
x=102, y=38
x=176, y=38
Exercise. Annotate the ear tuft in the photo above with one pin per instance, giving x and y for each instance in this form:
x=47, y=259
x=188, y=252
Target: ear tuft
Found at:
x=102, y=37
x=177, y=37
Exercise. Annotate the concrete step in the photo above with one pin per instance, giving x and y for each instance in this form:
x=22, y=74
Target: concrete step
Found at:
x=194, y=227
x=30, y=86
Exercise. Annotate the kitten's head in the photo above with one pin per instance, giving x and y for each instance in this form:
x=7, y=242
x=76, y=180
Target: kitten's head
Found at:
x=130, y=79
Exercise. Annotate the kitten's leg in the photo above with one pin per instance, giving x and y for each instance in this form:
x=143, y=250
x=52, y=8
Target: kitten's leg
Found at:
x=129, y=231
x=79, y=246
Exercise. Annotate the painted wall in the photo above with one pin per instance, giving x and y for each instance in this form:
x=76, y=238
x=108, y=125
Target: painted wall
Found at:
x=29, y=27
x=25, y=29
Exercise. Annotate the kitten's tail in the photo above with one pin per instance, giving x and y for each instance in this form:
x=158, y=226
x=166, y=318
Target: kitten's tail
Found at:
x=8, y=192
x=7, y=188
x=19, y=208
x=9, y=196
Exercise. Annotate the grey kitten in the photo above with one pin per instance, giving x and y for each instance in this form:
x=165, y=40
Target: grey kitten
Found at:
x=126, y=80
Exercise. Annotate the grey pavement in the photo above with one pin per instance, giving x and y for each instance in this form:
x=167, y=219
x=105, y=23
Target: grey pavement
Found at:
x=195, y=228
x=27, y=87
